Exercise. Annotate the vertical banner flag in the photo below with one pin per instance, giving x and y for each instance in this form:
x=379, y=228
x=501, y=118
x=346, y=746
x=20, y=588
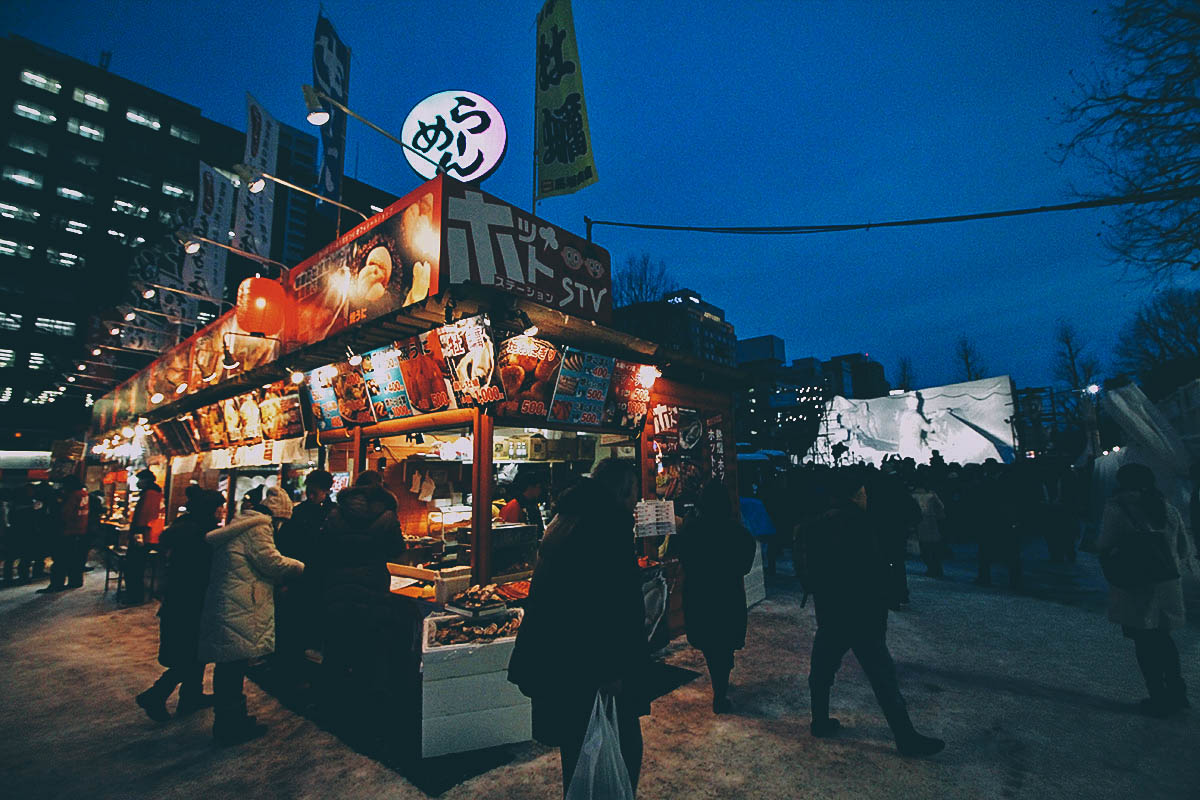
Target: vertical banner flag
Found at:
x=204, y=271
x=562, y=144
x=252, y=224
x=331, y=75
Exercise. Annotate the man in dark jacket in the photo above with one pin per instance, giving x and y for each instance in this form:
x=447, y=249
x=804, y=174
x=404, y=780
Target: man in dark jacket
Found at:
x=71, y=542
x=297, y=604
x=848, y=576
x=584, y=626
x=27, y=524
x=362, y=533
x=895, y=515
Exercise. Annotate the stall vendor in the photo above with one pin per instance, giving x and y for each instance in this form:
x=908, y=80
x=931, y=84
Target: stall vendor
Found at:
x=527, y=490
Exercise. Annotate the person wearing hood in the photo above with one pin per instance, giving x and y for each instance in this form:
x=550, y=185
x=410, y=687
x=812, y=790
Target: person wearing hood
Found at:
x=189, y=562
x=238, y=622
x=362, y=533
x=584, y=626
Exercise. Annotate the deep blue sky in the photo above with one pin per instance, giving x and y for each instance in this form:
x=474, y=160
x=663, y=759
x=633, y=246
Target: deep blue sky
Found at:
x=732, y=113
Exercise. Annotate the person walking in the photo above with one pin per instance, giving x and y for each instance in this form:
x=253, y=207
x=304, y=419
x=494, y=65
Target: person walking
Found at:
x=848, y=572
x=895, y=515
x=70, y=541
x=584, y=627
x=716, y=552
x=238, y=622
x=297, y=604
x=27, y=524
x=189, y=561
x=1144, y=549
x=929, y=533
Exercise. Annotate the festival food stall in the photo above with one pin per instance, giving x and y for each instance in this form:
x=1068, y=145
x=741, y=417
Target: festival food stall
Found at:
x=459, y=347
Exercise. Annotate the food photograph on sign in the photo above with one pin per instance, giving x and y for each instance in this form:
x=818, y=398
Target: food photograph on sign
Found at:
x=348, y=386
x=385, y=383
x=528, y=370
x=384, y=264
x=469, y=353
x=324, y=401
x=628, y=398
x=583, y=382
x=423, y=370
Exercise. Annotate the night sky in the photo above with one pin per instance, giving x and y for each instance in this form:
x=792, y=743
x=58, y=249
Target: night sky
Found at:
x=732, y=113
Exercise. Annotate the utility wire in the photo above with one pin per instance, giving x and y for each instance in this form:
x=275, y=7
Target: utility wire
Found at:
x=1182, y=193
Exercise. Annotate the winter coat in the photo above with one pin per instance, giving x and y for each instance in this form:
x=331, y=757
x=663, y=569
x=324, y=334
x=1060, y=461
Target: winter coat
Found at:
x=239, y=606
x=584, y=623
x=189, y=560
x=932, y=512
x=1159, y=605
x=716, y=555
x=74, y=513
x=847, y=568
x=362, y=533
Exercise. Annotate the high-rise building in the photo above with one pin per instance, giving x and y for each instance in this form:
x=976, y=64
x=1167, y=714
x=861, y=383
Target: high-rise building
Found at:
x=684, y=323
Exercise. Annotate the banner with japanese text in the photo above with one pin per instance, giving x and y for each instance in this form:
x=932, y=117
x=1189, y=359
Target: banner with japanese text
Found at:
x=252, y=223
x=331, y=75
x=204, y=270
x=562, y=141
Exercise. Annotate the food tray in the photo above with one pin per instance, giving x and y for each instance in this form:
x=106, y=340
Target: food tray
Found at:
x=478, y=613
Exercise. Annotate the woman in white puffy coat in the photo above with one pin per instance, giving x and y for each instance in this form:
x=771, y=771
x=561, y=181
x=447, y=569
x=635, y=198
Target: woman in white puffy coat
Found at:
x=239, y=609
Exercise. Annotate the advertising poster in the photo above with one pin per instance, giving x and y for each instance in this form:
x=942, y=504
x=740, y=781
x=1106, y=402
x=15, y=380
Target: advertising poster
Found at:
x=528, y=370
x=204, y=270
x=583, y=383
x=354, y=406
x=628, y=401
x=491, y=243
x=386, y=263
x=424, y=373
x=385, y=384
x=562, y=142
x=210, y=425
x=331, y=74
x=679, y=446
x=469, y=352
x=231, y=414
x=255, y=212
x=325, y=411
x=279, y=411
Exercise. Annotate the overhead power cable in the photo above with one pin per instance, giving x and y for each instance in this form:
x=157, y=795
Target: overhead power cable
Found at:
x=1163, y=195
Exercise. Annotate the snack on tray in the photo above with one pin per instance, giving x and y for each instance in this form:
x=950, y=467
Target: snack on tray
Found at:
x=461, y=631
x=478, y=597
x=516, y=590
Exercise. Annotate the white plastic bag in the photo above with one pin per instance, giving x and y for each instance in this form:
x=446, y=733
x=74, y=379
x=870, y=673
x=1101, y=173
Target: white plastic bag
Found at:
x=600, y=773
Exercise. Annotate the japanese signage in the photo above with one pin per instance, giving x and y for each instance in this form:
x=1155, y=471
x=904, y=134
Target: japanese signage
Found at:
x=204, y=270
x=385, y=384
x=628, y=400
x=323, y=399
x=469, y=353
x=562, y=143
x=331, y=74
x=491, y=243
x=252, y=221
x=528, y=373
x=354, y=406
x=460, y=134
x=583, y=382
x=389, y=262
x=679, y=446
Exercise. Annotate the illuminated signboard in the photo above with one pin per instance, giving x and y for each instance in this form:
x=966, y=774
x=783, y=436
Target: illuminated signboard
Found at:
x=457, y=133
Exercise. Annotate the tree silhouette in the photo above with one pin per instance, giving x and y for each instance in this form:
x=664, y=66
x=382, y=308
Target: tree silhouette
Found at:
x=641, y=280
x=969, y=361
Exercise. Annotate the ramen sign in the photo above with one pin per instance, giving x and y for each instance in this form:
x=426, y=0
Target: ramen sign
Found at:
x=459, y=134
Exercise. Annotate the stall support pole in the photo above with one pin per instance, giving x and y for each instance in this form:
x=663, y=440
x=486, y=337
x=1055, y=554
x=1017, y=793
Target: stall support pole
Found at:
x=481, y=498
x=360, y=456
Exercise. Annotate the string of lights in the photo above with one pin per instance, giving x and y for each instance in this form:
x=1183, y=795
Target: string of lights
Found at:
x=1163, y=195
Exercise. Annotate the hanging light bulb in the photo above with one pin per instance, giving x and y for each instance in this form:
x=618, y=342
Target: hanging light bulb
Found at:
x=352, y=358
x=227, y=359
x=181, y=388
x=317, y=114
x=114, y=330
x=96, y=351
x=297, y=377
x=130, y=316
x=148, y=294
x=156, y=398
x=257, y=185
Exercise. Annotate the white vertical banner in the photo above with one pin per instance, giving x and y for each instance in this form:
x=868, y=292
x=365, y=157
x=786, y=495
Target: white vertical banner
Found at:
x=204, y=270
x=252, y=223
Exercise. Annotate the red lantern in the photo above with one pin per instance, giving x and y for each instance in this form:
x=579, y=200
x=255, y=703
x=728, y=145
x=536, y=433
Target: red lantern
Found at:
x=261, y=304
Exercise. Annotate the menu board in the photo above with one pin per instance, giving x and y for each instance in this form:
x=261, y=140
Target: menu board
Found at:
x=424, y=373
x=210, y=425
x=324, y=405
x=385, y=383
x=528, y=370
x=627, y=401
x=280, y=412
x=583, y=383
x=354, y=406
x=470, y=359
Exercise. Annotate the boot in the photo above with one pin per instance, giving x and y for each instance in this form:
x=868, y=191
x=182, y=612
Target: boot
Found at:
x=231, y=724
x=909, y=743
x=153, y=702
x=191, y=703
x=823, y=725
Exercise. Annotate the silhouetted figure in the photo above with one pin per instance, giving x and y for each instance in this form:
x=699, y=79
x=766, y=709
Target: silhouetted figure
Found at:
x=70, y=537
x=1139, y=527
x=189, y=561
x=895, y=515
x=238, y=622
x=141, y=527
x=527, y=490
x=584, y=627
x=298, y=603
x=716, y=552
x=996, y=518
x=27, y=532
x=929, y=532
x=849, y=572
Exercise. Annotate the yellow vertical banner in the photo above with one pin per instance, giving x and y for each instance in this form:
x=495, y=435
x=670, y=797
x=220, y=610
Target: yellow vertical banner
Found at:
x=563, y=161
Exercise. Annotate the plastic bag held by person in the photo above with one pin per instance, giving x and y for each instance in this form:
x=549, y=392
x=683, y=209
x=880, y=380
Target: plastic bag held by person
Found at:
x=600, y=773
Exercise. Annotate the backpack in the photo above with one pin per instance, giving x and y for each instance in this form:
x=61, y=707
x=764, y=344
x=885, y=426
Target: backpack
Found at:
x=1140, y=557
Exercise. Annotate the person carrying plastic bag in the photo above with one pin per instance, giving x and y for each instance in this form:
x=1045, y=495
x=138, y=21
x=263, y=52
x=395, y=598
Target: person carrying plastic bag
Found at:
x=600, y=773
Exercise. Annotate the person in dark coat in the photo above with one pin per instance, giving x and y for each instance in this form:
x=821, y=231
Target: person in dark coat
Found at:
x=297, y=604
x=584, y=627
x=896, y=516
x=716, y=552
x=71, y=542
x=362, y=533
x=189, y=561
x=848, y=575
x=27, y=525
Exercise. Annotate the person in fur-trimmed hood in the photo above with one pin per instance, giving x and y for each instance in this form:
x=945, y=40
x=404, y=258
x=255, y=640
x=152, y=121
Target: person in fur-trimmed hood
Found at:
x=239, y=608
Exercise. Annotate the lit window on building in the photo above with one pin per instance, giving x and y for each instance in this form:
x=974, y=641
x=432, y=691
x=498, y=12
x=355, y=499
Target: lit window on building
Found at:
x=19, y=213
x=72, y=193
x=28, y=110
x=88, y=162
x=139, y=117
x=61, y=327
x=376, y=209
x=6, y=357
x=89, y=400
x=23, y=177
x=10, y=321
x=41, y=81
x=91, y=99
x=5, y=394
x=175, y=190
x=63, y=259
x=46, y=396
x=27, y=144
x=138, y=240
x=118, y=235
x=18, y=249
x=37, y=360
x=123, y=206
x=187, y=134
x=75, y=226
x=133, y=181
x=88, y=130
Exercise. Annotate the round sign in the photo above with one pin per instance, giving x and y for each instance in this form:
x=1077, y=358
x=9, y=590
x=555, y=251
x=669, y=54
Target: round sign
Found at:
x=457, y=133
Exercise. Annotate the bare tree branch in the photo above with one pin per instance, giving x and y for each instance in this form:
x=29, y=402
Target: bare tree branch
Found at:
x=969, y=361
x=640, y=280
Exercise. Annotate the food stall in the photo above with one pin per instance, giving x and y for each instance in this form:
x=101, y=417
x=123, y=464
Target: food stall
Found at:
x=458, y=346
